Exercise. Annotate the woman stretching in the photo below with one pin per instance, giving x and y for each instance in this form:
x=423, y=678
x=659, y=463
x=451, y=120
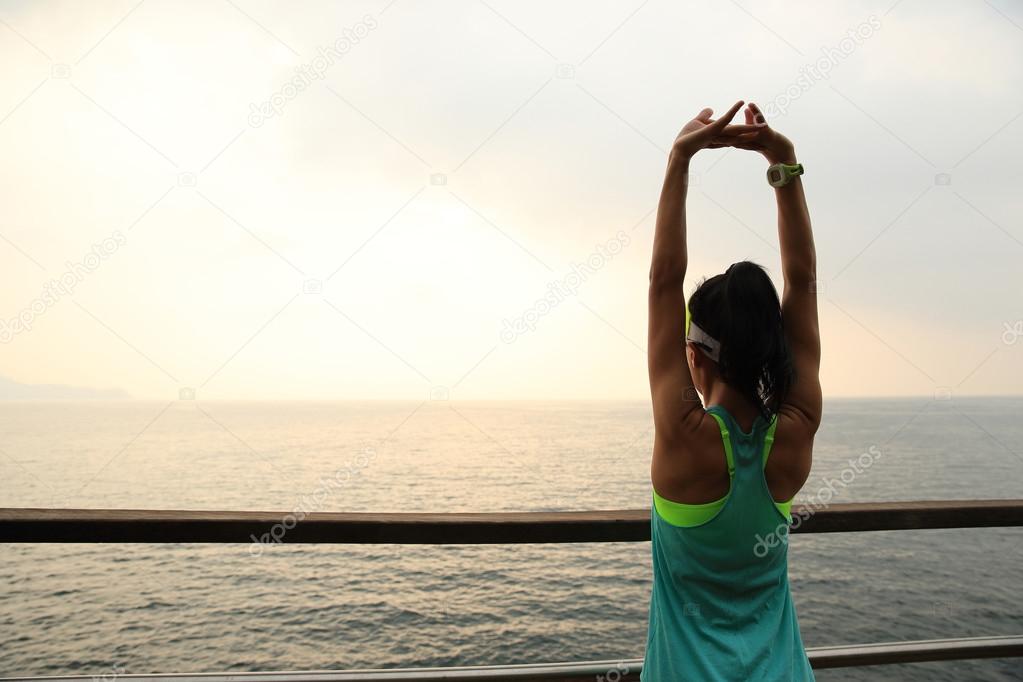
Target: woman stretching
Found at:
x=724, y=476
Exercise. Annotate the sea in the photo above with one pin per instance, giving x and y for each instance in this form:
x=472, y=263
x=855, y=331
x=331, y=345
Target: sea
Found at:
x=108, y=609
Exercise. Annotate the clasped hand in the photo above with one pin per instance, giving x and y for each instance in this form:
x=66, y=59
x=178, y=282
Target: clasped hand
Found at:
x=704, y=132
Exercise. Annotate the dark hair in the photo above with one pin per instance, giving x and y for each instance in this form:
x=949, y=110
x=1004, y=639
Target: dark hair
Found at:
x=740, y=309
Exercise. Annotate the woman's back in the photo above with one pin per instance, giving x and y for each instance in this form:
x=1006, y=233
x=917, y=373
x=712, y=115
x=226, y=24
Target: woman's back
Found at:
x=721, y=608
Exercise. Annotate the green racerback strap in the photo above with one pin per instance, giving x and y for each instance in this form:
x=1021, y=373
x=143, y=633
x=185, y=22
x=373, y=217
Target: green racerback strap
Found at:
x=726, y=437
x=688, y=515
x=769, y=438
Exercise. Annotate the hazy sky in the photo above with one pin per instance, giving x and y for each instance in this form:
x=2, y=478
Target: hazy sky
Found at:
x=378, y=232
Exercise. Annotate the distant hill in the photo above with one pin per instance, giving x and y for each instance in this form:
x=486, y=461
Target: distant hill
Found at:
x=13, y=390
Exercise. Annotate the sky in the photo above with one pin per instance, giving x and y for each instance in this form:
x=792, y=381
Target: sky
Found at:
x=402, y=200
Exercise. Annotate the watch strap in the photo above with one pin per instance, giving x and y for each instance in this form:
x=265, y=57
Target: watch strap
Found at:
x=793, y=169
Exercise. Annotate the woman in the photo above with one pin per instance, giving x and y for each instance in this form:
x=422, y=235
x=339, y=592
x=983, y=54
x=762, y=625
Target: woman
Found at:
x=724, y=476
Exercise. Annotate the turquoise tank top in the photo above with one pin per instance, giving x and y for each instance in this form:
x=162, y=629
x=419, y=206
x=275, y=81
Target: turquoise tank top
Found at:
x=720, y=608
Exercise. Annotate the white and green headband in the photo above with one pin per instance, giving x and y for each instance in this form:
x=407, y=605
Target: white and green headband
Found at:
x=710, y=346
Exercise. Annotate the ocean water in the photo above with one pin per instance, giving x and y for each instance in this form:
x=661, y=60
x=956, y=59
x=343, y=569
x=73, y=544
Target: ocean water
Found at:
x=102, y=609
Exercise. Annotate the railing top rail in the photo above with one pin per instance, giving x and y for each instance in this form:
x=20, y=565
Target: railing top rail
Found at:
x=173, y=526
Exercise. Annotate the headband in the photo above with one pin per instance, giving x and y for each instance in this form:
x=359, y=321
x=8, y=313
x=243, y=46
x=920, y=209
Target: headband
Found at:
x=710, y=346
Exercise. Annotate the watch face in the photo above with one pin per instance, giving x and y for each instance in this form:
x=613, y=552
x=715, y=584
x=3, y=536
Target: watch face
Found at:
x=774, y=175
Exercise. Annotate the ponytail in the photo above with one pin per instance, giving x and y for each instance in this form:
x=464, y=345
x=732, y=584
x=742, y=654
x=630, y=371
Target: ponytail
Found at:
x=741, y=309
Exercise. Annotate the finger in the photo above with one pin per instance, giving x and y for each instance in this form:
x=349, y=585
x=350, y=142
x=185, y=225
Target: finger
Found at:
x=705, y=115
x=743, y=141
x=721, y=127
x=746, y=141
x=743, y=145
x=738, y=129
x=750, y=140
x=723, y=144
x=745, y=137
x=758, y=116
x=749, y=114
x=729, y=115
x=731, y=140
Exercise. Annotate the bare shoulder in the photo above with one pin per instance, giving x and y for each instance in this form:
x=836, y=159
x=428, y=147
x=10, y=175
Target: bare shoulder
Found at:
x=695, y=454
x=791, y=458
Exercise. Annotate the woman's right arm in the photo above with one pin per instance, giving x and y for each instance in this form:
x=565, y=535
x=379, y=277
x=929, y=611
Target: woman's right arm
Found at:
x=799, y=297
x=804, y=404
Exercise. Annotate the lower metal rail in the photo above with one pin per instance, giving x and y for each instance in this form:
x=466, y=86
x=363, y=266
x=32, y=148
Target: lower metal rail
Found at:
x=607, y=671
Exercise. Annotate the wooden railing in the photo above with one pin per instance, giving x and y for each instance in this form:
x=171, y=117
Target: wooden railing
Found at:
x=166, y=526
x=161, y=526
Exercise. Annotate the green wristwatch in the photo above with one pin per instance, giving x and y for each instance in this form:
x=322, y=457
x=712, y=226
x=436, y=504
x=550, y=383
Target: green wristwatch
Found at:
x=781, y=174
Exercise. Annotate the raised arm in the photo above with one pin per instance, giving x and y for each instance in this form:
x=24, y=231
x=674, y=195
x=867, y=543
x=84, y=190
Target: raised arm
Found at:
x=799, y=269
x=674, y=398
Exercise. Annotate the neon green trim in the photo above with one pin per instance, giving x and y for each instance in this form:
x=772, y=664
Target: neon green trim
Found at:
x=793, y=169
x=784, y=507
x=727, y=440
x=679, y=514
x=688, y=515
x=769, y=438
